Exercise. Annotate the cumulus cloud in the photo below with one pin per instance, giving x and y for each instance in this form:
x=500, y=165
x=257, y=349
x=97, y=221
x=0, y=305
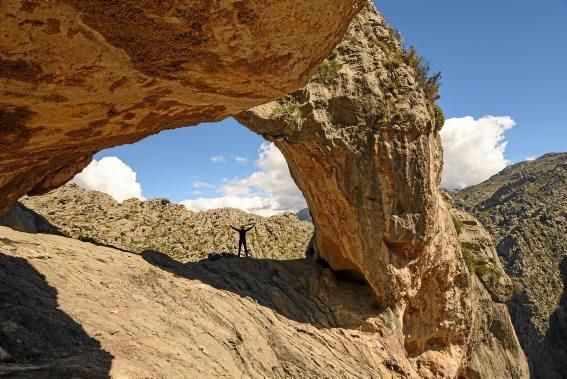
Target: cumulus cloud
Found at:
x=267, y=191
x=473, y=149
x=531, y=158
x=111, y=176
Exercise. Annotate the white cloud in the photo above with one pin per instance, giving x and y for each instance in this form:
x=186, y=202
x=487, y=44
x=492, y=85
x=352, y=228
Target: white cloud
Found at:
x=268, y=191
x=200, y=184
x=218, y=159
x=531, y=158
x=241, y=160
x=473, y=149
x=111, y=176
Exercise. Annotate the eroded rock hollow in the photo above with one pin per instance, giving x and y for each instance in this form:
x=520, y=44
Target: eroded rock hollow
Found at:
x=80, y=76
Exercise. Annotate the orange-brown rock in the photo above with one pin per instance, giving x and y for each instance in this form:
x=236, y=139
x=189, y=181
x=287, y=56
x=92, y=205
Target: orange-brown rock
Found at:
x=80, y=76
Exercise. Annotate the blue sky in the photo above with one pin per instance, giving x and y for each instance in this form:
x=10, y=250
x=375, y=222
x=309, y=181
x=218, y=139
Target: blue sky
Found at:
x=498, y=57
x=501, y=58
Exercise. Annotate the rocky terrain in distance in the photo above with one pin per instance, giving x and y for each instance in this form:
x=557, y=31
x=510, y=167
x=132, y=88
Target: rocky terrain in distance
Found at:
x=157, y=224
x=524, y=207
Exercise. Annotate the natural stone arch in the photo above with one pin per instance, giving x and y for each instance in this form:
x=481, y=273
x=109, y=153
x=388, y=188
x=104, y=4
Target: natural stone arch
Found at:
x=361, y=141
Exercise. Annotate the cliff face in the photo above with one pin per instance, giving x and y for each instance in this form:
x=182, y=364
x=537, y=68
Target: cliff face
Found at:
x=524, y=208
x=80, y=76
x=362, y=143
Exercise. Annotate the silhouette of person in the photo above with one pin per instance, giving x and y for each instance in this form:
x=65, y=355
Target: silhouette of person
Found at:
x=242, y=238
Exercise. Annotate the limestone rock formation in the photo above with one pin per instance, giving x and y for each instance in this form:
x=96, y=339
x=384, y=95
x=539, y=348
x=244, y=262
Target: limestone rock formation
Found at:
x=80, y=76
x=362, y=143
x=524, y=208
x=136, y=225
x=361, y=140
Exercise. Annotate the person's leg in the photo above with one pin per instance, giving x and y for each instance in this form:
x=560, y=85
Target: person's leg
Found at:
x=245, y=249
x=239, y=247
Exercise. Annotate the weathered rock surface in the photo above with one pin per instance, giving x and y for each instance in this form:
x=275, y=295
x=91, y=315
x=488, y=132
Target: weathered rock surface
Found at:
x=129, y=317
x=525, y=209
x=80, y=76
x=362, y=143
x=136, y=226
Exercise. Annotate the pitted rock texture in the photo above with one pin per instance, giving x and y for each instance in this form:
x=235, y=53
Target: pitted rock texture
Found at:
x=80, y=76
x=525, y=209
x=362, y=144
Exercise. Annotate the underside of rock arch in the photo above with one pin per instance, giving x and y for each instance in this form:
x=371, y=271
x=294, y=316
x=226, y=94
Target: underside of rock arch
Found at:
x=361, y=138
x=80, y=76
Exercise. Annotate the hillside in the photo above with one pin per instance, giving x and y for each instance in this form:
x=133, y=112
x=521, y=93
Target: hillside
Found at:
x=525, y=209
x=136, y=225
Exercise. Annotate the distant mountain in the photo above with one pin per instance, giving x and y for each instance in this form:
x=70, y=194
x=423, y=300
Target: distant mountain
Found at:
x=157, y=224
x=304, y=215
x=524, y=207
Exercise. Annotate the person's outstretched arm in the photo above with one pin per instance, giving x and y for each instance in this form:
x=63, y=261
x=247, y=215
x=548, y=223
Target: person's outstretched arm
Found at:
x=248, y=229
x=234, y=228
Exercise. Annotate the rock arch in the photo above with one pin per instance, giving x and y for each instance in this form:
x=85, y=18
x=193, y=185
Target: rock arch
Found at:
x=361, y=139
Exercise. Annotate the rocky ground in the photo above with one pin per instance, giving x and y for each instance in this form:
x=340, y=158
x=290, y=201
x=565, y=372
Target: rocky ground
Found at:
x=71, y=308
x=524, y=207
x=136, y=225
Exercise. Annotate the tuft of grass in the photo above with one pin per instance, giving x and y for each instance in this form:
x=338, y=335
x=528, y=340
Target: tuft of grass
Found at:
x=458, y=225
x=470, y=259
x=328, y=71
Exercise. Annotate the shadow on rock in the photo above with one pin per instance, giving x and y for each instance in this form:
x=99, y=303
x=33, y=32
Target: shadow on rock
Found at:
x=301, y=290
x=23, y=219
x=554, y=364
x=37, y=339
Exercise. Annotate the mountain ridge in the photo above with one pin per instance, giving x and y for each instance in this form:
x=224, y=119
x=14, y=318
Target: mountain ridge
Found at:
x=524, y=207
x=158, y=224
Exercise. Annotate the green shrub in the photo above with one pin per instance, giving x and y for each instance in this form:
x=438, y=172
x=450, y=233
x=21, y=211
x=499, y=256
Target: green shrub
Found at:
x=458, y=225
x=439, y=117
x=287, y=111
x=328, y=71
x=430, y=83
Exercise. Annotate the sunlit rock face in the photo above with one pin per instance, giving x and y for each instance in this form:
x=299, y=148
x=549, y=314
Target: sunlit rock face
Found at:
x=80, y=76
x=362, y=143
